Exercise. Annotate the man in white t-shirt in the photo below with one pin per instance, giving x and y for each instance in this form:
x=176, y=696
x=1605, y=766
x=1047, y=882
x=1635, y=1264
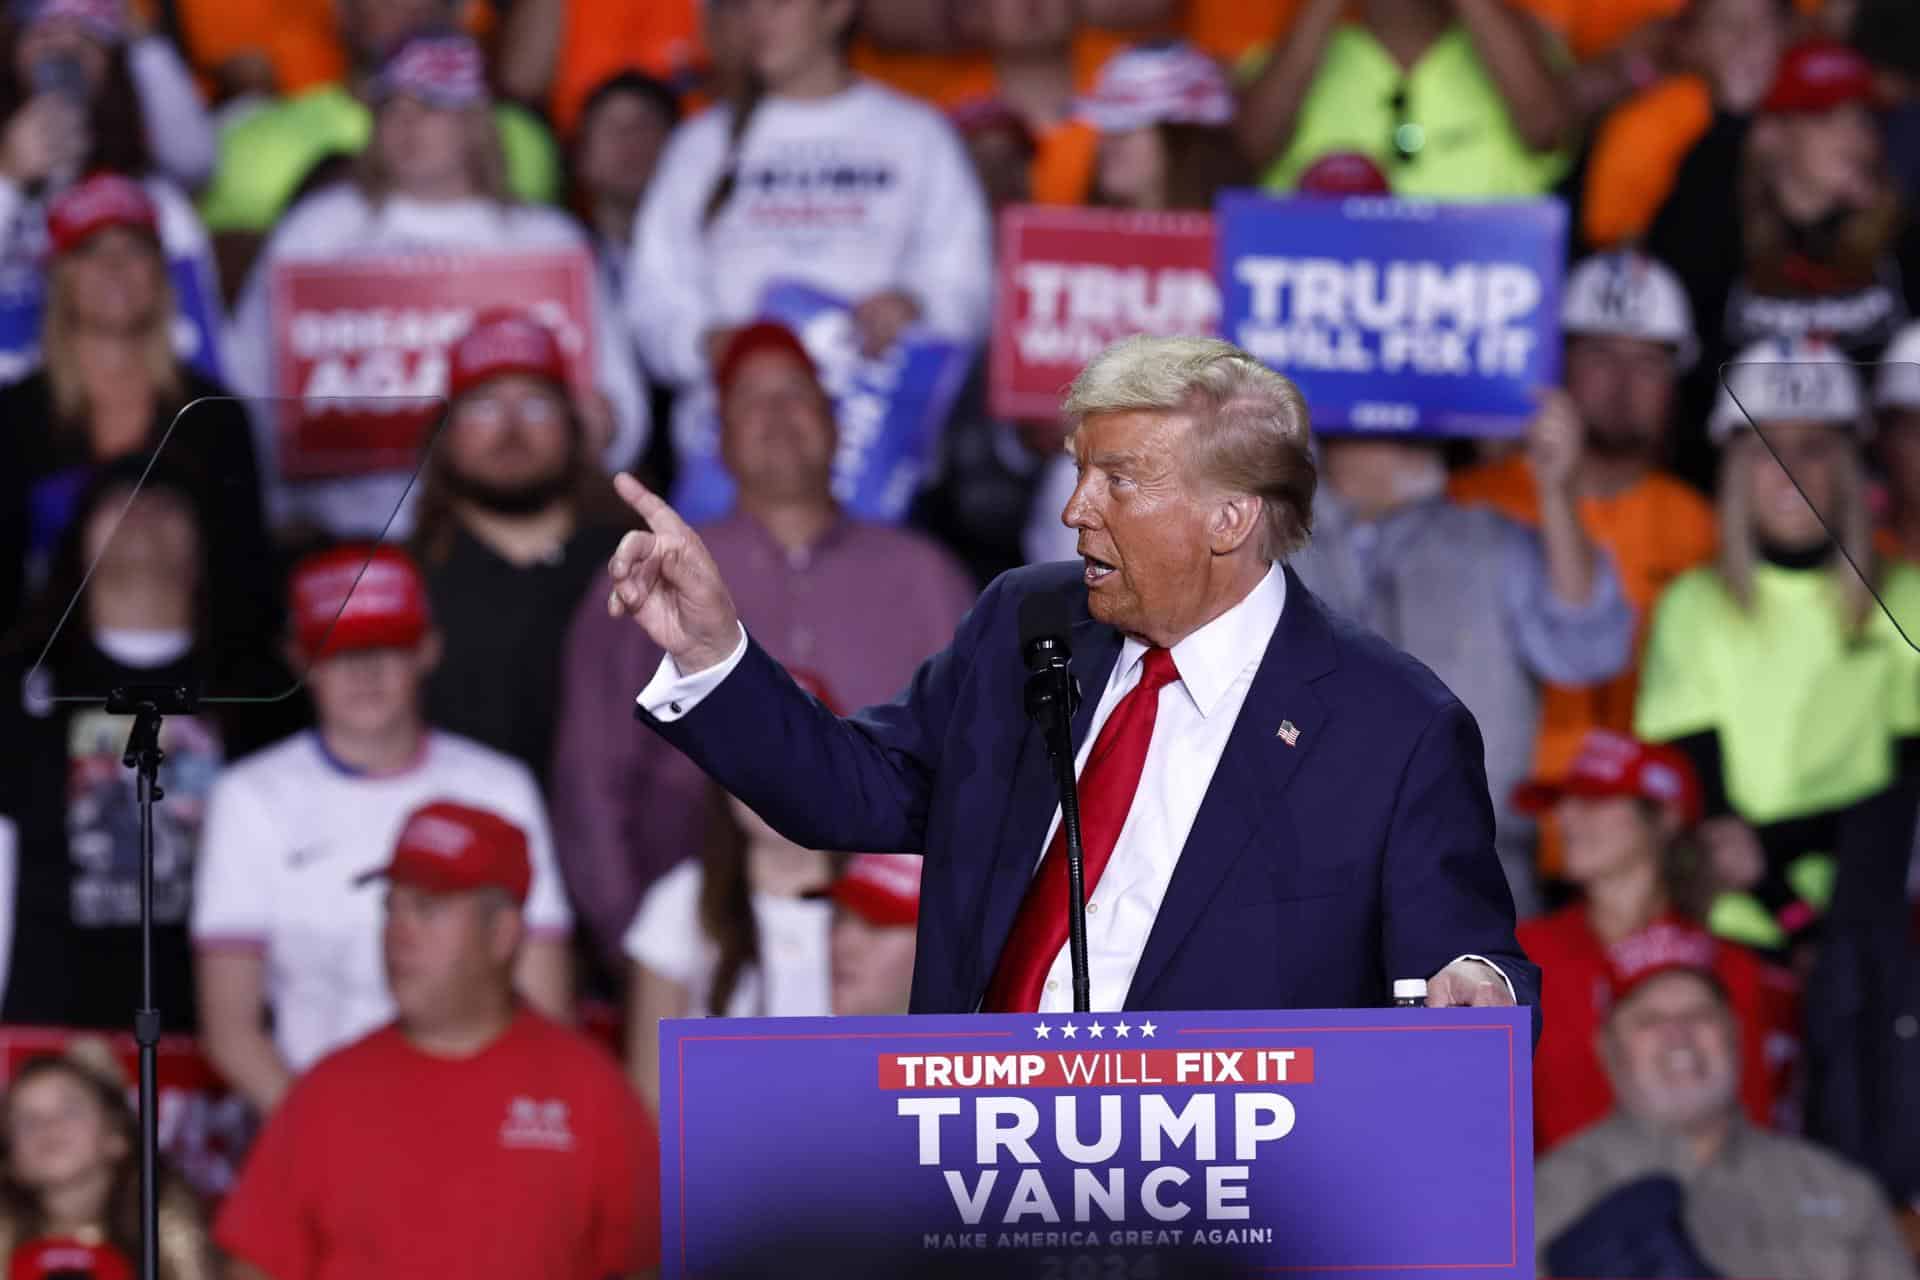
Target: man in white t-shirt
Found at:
x=280, y=920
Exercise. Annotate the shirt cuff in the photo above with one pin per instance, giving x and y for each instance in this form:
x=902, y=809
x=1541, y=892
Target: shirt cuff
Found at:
x=670, y=694
x=1511, y=993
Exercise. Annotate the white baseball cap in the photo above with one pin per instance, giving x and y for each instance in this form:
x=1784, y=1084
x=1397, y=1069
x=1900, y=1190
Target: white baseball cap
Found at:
x=1898, y=386
x=1626, y=294
x=1787, y=380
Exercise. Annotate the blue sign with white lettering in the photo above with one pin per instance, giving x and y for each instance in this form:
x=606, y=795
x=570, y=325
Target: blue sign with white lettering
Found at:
x=1392, y=1142
x=1399, y=316
x=890, y=411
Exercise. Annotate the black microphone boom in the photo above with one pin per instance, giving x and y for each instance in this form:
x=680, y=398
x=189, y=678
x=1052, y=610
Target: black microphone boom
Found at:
x=1052, y=697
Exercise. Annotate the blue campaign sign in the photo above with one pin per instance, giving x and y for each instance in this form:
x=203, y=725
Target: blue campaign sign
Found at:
x=890, y=411
x=196, y=316
x=1388, y=1142
x=1399, y=315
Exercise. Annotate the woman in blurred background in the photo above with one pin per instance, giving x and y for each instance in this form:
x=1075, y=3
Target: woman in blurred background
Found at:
x=1627, y=810
x=1165, y=116
x=432, y=180
x=70, y=1191
x=739, y=931
x=1776, y=669
x=77, y=98
x=148, y=614
x=624, y=126
x=112, y=384
x=814, y=177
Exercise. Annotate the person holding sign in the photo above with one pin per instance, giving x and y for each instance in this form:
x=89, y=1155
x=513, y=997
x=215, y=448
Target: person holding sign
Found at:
x=818, y=178
x=432, y=181
x=1498, y=610
x=1282, y=811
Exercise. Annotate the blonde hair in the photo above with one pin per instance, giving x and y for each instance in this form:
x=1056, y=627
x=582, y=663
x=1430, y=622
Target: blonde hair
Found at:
x=486, y=159
x=1850, y=520
x=1251, y=428
x=59, y=327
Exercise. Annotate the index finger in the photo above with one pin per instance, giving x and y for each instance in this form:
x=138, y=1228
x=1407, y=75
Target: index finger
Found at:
x=648, y=505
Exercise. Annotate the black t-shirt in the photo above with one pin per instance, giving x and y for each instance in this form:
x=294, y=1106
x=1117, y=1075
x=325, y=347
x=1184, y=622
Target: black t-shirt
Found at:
x=76, y=938
x=505, y=628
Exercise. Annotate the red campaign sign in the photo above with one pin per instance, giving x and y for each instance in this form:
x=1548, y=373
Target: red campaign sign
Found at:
x=1095, y=1068
x=1072, y=281
x=362, y=345
x=205, y=1127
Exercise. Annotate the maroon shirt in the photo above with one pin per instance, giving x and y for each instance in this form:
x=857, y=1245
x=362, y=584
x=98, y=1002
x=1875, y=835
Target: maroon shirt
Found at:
x=861, y=609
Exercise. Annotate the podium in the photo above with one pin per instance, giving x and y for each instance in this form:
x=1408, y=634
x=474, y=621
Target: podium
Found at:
x=1389, y=1142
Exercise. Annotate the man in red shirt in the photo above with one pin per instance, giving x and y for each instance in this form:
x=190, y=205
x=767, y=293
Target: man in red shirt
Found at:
x=472, y=1137
x=1626, y=807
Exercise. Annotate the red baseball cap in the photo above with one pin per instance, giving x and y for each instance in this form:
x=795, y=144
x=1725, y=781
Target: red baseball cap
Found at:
x=880, y=888
x=358, y=597
x=447, y=848
x=761, y=335
x=1613, y=764
x=102, y=201
x=1819, y=75
x=41, y=1259
x=1665, y=946
x=1344, y=173
x=502, y=343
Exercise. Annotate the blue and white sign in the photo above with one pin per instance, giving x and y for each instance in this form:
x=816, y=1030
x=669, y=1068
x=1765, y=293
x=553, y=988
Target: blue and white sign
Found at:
x=890, y=411
x=1399, y=316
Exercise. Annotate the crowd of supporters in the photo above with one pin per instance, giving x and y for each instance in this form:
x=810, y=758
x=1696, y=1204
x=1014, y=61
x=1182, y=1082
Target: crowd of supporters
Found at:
x=418, y=858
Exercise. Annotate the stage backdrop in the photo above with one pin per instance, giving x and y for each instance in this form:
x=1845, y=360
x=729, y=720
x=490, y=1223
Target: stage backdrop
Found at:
x=1399, y=316
x=1390, y=1142
x=1071, y=281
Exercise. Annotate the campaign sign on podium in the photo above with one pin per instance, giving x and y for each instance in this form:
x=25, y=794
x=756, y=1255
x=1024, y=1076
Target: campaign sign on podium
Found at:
x=1373, y=1142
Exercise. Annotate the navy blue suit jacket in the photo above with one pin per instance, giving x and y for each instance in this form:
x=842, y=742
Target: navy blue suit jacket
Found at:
x=1314, y=875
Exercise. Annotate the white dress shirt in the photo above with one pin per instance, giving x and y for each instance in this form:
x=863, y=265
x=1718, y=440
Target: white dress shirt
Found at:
x=1194, y=718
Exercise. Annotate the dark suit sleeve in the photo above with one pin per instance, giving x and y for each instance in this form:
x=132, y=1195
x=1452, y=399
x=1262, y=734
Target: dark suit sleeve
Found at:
x=862, y=784
x=1445, y=893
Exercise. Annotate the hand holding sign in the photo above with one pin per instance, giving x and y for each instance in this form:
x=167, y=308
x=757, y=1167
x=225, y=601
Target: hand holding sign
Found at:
x=1555, y=439
x=667, y=581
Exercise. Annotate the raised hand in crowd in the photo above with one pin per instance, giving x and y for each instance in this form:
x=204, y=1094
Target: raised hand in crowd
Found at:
x=666, y=580
x=1555, y=441
x=882, y=318
x=45, y=137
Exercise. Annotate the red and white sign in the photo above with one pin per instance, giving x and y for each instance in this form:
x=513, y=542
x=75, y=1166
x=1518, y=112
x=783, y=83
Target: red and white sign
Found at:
x=1073, y=281
x=360, y=346
x=205, y=1127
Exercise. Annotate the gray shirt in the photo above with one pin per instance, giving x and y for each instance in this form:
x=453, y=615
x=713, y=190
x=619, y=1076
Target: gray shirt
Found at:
x=1465, y=590
x=1767, y=1205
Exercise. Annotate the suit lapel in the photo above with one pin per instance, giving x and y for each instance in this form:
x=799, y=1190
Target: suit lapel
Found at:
x=1243, y=799
x=1034, y=799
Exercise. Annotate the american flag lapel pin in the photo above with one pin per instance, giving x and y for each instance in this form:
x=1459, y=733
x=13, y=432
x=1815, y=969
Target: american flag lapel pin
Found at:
x=1288, y=733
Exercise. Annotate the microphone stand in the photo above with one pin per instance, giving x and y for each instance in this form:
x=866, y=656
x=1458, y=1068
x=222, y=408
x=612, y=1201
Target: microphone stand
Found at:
x=148, y=704
x=1052, y=697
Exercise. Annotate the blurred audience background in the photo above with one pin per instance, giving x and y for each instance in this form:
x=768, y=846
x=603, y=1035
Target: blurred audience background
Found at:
x=325, y=323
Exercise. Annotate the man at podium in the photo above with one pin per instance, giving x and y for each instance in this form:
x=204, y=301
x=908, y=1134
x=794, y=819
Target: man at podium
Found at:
x=1279, y=810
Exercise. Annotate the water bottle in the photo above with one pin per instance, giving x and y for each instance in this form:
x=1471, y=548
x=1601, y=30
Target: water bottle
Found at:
x=1409, y=993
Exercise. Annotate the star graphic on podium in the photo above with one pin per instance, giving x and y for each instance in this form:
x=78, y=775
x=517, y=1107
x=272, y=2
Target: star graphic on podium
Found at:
x=1147, y=1029
x=1096, y=1031
x=1068, y=1030
x=1042, y=1030
x=1121, y=1029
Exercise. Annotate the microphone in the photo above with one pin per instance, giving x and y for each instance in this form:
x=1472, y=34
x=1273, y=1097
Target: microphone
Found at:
x=1052, y=697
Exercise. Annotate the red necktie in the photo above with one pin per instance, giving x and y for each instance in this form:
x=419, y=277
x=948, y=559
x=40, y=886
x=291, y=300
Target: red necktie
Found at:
x=1107, y=784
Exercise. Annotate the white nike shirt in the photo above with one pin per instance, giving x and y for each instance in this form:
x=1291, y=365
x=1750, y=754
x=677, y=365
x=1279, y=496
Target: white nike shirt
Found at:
x=288, y=832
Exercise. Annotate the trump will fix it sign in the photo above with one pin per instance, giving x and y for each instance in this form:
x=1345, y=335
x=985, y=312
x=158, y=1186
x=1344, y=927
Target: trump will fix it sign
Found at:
x=1073, y=281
